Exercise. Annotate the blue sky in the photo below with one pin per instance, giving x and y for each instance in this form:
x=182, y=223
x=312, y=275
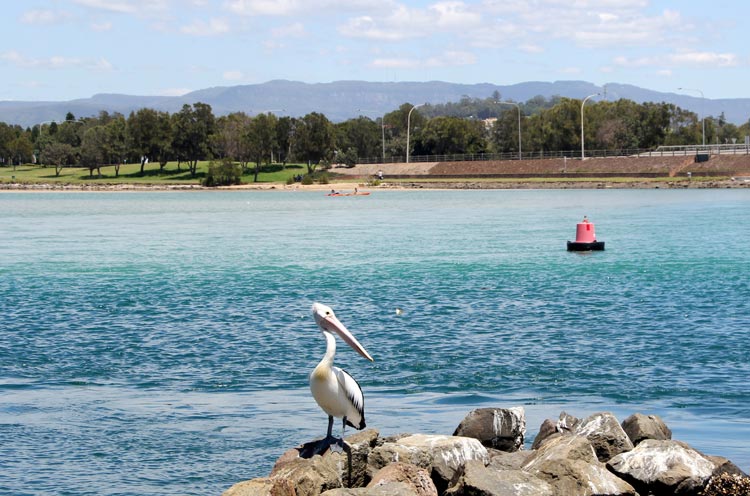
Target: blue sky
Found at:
x=66, y=49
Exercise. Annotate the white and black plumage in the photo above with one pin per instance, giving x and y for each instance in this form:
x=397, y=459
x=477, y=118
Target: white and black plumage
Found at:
x=335, y=391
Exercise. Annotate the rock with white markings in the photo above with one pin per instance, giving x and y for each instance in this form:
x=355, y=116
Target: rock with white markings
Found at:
x=486, y=481
x=605, y=434
x=569, y=464
x=663, y=467
x=443, y=456
x=499, y=428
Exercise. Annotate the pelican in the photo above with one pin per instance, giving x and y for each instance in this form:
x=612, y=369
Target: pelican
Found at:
x=335, y=391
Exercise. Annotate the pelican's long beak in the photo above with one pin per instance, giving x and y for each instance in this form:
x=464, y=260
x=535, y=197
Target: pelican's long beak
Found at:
x=326, y=319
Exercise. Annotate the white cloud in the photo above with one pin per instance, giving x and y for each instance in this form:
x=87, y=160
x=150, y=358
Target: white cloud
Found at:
x=233, y=75
x=447, y=59
x=454, y=15
x=211, y=28
x=394, y=63
x=366, y=27
x=44, y=17
x=294, y=30
x=54, y=62
x=300, y=7
x=451, y=59
x=119, y=6
x=570, y=70
x=136, y=7
x=531, y=48
x=587, y=23
x=101, y=26
x=173, y=92
x=704, y=59
x=683, y=59
x=401, y=24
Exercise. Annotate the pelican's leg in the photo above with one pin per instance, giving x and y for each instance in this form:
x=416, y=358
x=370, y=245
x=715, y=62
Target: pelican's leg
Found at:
x=343, y=429
x=337, y=444
x=320, y=446
x=330, y=427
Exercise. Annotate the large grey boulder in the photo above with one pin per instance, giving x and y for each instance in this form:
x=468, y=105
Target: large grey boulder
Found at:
x=311, y=474
x=639, y=427
x=396, y=479
x=478, y=480
x=389, y=489
x=605, y=434
x=418, y=479
x=443, y=456
x=663, y=467
x=569, y=464
x=601, y=429
x=547, y=430
x=262, y=486
x=501, y=460
x=499, y=428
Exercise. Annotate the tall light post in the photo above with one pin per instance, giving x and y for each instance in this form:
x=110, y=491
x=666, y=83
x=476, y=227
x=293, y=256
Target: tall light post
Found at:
x=703, y=110
x=382, y=128
x=583, y=153
x=520, y=153
x=408, y=127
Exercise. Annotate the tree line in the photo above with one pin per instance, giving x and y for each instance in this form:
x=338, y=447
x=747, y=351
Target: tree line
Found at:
x=470, y=126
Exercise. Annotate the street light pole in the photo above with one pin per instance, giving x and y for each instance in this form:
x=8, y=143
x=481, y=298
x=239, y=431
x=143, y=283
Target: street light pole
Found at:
x=583, y=153
x=408, y=127
x=520, y=153
x=703, y=110
x=382, y=127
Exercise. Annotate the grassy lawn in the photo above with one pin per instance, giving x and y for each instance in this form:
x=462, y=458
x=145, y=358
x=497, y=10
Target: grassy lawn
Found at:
x=131, y=174
x=275, y=173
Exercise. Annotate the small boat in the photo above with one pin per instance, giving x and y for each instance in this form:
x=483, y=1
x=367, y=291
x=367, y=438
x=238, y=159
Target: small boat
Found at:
x=585, y=238
x=358, y=193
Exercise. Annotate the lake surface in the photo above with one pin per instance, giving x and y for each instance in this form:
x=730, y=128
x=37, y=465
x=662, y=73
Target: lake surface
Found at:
x=159, y=343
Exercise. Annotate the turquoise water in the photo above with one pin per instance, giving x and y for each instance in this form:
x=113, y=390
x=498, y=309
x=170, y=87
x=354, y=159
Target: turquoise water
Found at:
x=159, y=343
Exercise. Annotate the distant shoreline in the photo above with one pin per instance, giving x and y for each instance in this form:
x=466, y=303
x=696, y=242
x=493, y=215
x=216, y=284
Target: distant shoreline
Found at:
x=462, y=184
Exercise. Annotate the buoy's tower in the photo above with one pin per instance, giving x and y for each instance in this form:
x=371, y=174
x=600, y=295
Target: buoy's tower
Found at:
x=585, y=237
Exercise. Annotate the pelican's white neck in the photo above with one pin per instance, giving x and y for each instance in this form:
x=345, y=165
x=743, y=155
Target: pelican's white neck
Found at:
x=330, y=347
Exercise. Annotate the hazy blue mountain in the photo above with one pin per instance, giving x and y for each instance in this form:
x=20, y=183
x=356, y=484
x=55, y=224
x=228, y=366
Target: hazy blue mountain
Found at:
x=341, y=100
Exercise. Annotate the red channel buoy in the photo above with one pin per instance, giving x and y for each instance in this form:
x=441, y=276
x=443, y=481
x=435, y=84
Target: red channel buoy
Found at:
x=585, y=237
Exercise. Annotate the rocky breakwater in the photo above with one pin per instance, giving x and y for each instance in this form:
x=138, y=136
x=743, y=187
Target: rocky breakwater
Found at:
x=593, y=456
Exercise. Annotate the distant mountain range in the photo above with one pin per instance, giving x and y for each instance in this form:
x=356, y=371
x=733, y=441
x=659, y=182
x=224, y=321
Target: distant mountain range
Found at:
x=342, y=100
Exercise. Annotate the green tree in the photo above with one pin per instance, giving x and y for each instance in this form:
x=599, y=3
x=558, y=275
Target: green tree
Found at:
x=314, y=140
x=284, y=134
x=362, y=134
x=116, y=142
x=262, y=140
x=149, y=134
x=450, y=135
x=684, y=127
x=504, y=131
x=95, y=149
x=193, y=127
x=57, y=154
x=561, y=125
x=21, y=150
x=69, y=132
x=223, y=173
x=231, y=138
x=7, y=134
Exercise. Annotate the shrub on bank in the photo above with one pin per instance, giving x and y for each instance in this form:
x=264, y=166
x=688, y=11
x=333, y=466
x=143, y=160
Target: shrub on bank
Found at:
x=224, y=173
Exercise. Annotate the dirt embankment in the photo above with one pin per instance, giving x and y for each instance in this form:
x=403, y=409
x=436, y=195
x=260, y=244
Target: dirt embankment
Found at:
x=666, y=166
